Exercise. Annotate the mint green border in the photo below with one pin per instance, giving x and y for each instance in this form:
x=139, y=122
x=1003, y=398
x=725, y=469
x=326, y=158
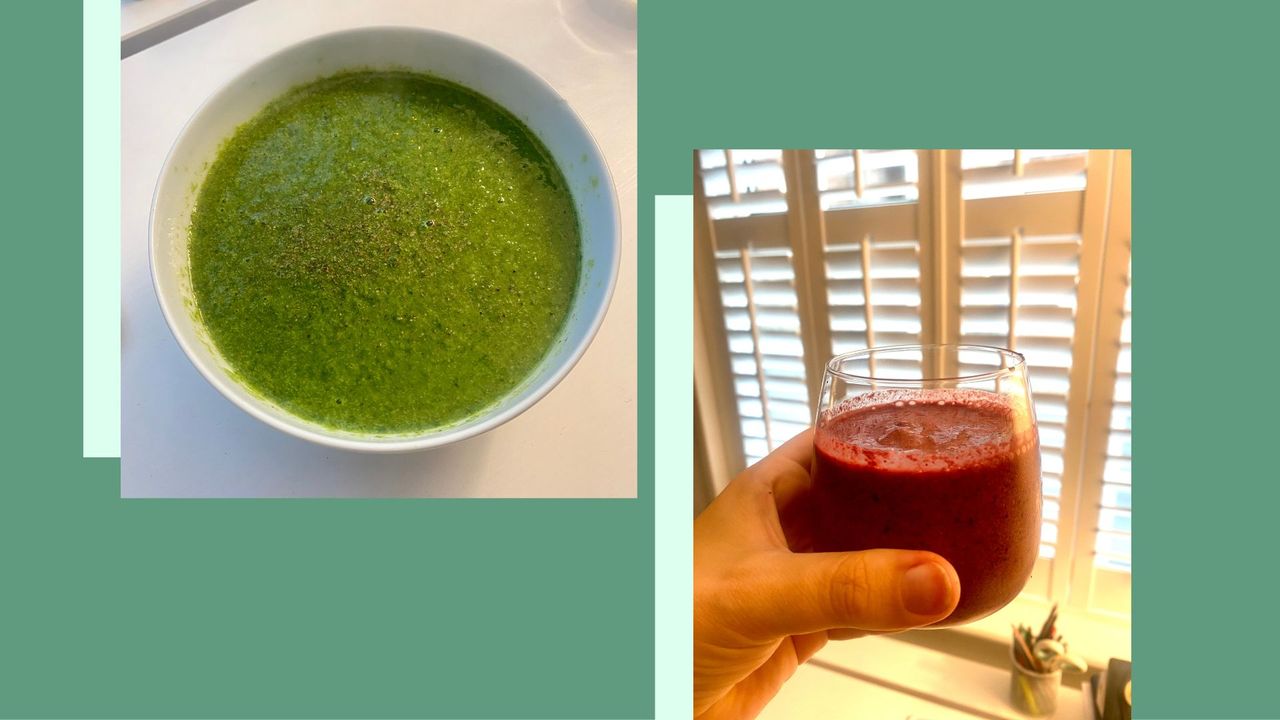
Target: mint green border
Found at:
x=673, y=240
x=1182, y=84
x=101, y=304
x=265, y=608
x=1191, y=87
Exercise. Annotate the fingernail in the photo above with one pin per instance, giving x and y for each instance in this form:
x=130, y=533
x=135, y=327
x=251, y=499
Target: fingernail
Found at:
x=925, y=589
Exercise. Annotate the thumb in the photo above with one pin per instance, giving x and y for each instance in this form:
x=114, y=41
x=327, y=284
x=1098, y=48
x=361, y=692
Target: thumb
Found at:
x=882, y=590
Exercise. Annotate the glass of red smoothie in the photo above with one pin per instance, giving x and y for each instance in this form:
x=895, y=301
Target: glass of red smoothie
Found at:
x=932, y=447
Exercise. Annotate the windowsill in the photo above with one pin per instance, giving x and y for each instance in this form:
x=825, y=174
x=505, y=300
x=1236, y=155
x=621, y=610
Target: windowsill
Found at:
x=1096, y=637
x=884, y=677
x=952, y=674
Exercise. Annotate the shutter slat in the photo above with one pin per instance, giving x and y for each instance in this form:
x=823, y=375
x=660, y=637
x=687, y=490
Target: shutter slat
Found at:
x=842, y=342
x=874, y=178
x=757, y=203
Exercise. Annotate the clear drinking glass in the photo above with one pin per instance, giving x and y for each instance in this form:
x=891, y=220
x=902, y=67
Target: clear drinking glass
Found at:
x=932, y=447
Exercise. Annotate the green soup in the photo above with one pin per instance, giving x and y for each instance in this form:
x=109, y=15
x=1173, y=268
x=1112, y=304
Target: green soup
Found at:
x=383, y=252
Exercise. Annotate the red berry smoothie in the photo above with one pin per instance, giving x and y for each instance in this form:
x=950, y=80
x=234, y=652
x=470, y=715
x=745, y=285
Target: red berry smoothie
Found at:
x=956, y=472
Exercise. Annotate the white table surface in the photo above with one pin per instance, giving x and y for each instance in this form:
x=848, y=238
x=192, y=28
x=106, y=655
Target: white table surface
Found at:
x=180, y=438
x=138, y=14
x=889, y=679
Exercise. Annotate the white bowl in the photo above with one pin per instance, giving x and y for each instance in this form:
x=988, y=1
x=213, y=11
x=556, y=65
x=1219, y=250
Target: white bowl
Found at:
x=482, y=69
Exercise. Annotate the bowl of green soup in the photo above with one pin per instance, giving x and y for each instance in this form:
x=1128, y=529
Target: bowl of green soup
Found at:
x=385, y=239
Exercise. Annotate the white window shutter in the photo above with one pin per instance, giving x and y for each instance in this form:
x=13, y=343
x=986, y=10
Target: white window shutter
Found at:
x=869, y=201
x=871, y=248
x=755, y=269
x=1019, y=277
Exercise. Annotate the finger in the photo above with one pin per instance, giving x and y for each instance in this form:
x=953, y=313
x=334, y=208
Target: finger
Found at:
x=766, y=493
x=787, y=469
x=806, y=646
x=798, y=593
x=848, y=634
x=797, y=450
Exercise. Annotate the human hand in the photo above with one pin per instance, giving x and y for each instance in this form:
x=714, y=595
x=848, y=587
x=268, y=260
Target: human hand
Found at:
x=763, y=604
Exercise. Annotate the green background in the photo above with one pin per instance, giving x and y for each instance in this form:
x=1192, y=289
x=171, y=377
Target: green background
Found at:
x=292, y=608
x=490, y=608
x=1194, y=90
